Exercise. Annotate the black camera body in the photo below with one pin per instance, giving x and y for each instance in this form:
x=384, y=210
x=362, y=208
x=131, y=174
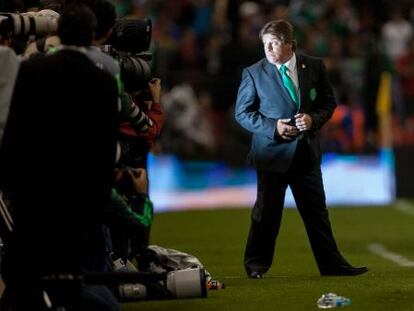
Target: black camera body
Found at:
x=134, y=152
x=131, y=35
x=128, y=44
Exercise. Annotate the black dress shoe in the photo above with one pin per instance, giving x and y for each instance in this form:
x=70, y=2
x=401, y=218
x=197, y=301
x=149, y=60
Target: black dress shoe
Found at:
x=345, y=270
x=255, y=275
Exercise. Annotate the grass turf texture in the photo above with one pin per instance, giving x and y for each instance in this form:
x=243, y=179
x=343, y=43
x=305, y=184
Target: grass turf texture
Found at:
x=218, y=237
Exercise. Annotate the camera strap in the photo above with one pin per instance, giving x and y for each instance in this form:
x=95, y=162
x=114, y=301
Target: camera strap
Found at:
x=5, y=214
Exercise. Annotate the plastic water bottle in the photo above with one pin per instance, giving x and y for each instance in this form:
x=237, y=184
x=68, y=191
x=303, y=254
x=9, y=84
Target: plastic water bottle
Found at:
x=332, y=300
x=214, y=284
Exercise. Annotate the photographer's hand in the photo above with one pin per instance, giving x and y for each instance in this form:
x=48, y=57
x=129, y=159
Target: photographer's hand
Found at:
x=155, y=88
x=139, y=179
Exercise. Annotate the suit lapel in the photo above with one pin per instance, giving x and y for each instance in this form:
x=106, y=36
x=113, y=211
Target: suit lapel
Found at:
x=302, y=70
x=276, y=80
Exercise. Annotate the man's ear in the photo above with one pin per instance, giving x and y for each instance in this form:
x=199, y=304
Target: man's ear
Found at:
x=106, y=36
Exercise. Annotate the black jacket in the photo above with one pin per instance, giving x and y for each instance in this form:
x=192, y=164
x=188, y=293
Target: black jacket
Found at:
x=57, y=161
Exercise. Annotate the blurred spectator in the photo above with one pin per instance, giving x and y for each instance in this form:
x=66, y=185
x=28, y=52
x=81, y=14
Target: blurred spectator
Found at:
x=187, y=131
x=405, y=71
x=395, y=34
x=251, y=22
x=202, y=17
x=344, y=132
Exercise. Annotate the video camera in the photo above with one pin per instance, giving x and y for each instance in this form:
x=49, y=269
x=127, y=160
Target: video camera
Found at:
x=21, y=25
x=128, y=44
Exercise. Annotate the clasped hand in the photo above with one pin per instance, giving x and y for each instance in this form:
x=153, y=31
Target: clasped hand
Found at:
x=289, y=129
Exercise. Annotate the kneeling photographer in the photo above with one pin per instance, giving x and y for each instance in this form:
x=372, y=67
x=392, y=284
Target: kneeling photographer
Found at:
x=129, y=216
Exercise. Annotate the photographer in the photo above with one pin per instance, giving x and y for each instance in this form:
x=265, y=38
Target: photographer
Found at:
x=141, y=118
x=55, y=220
x=129, y=216
x=106, y=16
x=106, y=19
x=128, y=43
x=136, y=138
x=153, y=110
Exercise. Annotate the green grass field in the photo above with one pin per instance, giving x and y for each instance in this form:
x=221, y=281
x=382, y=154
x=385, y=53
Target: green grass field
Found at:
x=218, y=237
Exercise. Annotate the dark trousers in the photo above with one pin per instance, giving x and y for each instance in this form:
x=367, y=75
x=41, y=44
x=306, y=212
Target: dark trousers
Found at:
x=305, y=180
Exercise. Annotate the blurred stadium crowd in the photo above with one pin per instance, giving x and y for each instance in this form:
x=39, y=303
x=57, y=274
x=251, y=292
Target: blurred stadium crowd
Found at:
x=201, y=46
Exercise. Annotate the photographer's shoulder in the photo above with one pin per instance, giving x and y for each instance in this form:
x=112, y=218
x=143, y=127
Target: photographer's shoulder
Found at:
x=103, y=60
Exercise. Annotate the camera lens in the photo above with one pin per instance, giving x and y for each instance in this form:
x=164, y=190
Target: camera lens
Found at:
x=132, y=291
x=135, y=73
x=24, y=25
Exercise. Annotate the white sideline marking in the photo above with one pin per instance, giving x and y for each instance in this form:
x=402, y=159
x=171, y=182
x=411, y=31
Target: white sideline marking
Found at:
x=405, y=207
x=381, y=250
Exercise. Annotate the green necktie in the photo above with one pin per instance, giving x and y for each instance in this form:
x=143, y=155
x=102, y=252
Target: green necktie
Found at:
x=288, y=83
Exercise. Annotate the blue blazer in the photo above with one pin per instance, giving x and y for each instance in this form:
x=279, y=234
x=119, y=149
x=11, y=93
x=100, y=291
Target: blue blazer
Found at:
x=262, y=100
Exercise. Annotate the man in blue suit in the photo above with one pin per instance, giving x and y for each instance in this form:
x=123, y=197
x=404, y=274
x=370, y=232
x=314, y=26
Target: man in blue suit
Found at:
x=283, y=100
